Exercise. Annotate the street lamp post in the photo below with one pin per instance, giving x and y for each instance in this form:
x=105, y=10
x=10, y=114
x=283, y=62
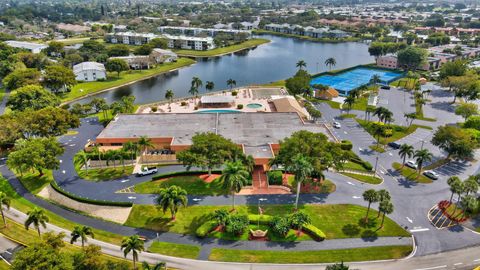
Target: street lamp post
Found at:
x=421, y=148
x=376, y=163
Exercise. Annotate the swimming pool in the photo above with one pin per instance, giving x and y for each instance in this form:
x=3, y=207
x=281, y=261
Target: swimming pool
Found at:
x=254, y=105
x=218, y=111
x=346, y=81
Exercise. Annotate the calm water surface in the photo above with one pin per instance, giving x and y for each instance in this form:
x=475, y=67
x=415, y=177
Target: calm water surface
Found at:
x=267, y=63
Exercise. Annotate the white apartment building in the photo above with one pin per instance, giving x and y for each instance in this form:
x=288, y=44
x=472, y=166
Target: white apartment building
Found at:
x=190, y=43
x=89, y=71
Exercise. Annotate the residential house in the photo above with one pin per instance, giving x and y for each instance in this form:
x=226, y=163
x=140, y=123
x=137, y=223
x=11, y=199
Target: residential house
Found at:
x=89, y=71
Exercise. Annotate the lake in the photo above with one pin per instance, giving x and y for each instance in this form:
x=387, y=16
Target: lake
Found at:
x=266, y=63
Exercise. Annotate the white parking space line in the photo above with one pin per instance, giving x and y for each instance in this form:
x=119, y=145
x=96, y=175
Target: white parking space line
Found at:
x=350, y=183
x=409, y=220
x=420, y=230
x=459, y=263
x=356, y=197
x=435, y=267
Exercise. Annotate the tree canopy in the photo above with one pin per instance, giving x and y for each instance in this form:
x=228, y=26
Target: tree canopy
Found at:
x=455, y=141
x=32, y=97
x=299, y=83
x=58, y=77
x=411, y=57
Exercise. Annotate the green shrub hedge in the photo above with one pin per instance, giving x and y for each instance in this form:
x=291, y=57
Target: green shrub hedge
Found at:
x=346, y=145
x=264, y=219
x=365, y=164
x=314, y=232
x=86, y=200
x=170, y=174
x=206, y=228
x=275, y=177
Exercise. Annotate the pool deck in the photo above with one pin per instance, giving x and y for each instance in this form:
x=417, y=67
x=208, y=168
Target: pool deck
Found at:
x=244, y=96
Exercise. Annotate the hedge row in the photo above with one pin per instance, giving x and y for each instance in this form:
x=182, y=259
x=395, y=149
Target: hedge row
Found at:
x=89, y=201
x=206, y=228
x=170, y=174
x=365, y=164
x=275, y=177
x=264, y=219
x=314, y=232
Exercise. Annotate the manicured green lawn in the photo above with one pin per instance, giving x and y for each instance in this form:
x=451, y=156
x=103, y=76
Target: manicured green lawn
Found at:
x=85, y=88
x=191, y=183
x=326, y=187
x=333, y=104
x=33, y=182
x=176, y=250
x=72, y=41
x=23, y=205
x=398, y=131
x=408, y=83
x=411, y=174
x=2, y=93
x=280, y=83
x=102, y=174
x=219, y=51
x=354, y=166
x=364, y=178
x=348, y=115
x=377, y=148
x=336, y=221
x=316, y=256
x=4, y=265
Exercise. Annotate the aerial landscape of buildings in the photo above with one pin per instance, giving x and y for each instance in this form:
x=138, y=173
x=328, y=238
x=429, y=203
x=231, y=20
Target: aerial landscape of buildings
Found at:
x=240, y=134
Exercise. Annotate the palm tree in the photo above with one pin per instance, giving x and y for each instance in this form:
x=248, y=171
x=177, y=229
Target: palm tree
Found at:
x=130, y=147
x=302, y=169
x=83, y=157
x=37, y=218
x=301, y=64
x=231, y=83
x=453, y=183
x=410, y=117
x=169, y=95
x=234, y=177
x=221, y=216
x=195, y=87
x=386, y=207
x=132, y=244
x=378, y=131
x=144, y=142
x=349, y=101
x=422, y=156
x=81, y=233
x=4, y=201
x=406, y=151
x=158, y=266
x=171, y=198
x=194, y=92
x=383, y=114
x=383, y=195
x=470, y=185
x=209, y=85
x=468, y=203
x=375, y=79
x=354, y=93
x=459, y=188
x=370, y=196
x=330, y=62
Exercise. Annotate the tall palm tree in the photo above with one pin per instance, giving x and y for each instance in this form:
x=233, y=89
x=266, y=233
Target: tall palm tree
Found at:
x=301, y=64
x=471, y=186
x=231, y=83
x=406, y=151
x=354, y=93
x=349, y=101
x=468, y=203
x=453, y=182
x=383, y=195
x=169, y=95
x=302, y=169
x=81, y=232
x=369, y=196
x=410, y=117
x=378, y=131
x=37, y=218
x=130, y=147
x=158, y=266
x=144, y=143
x=209, y=85
x=459, y=189
x=96, y=151
x=422, y=156
x=83, y=157
x=4, y=201
x=234, y=178
x=195, y=87
x=375, y=79
x=194, y=92
x=330, y=62
x=132, y=244
x=386, y=207
x=171, y=198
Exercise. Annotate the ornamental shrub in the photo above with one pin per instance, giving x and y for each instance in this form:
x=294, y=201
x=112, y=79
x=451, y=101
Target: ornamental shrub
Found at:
x=237, y=224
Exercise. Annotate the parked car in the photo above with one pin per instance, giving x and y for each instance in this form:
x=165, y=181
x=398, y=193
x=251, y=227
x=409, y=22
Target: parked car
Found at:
x=385, y=87
x=336, y=124
x=147, y=171
x=431, y=174
x=412, y=164
x=394, y=145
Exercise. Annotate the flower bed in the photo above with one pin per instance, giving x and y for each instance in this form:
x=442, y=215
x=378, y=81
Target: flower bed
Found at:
x=445, y=207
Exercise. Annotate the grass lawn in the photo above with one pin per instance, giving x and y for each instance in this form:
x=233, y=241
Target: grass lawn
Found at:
x=220, y=51
x=72, y=41
x=102, y=174
x=398, y=131
x=23, y=205
x=377, y=148
x=336, y=221
x=4, y=265
x=191, y=183
x=411, y=174
x=280, y=83
x=86, y=88
x=33, y=182
x=333, y=104
x=326, y=187
x=408, y=83
x=18, y=233
x=316, y=256
x=2, y=93
x=348, y=115
x=437, y=164
x=354, y=166
x=364, y=178
x=176, y=250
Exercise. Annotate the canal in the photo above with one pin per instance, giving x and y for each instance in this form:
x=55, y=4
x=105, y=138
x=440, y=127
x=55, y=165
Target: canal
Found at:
x=267, y=63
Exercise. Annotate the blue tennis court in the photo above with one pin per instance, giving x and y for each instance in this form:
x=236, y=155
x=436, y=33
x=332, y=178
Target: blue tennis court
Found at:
x=346, y=81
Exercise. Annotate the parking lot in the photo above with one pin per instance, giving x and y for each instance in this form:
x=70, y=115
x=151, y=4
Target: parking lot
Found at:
x=417, y=137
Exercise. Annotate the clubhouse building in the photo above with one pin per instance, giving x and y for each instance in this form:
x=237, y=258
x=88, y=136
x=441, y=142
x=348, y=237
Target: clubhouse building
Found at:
x=258, y=134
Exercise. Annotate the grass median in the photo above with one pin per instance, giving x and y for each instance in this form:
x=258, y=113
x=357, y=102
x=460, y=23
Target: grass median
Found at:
x=370, y=179
x=176, y=250
x=85, y=88
x=411, y=174
x=336, y=221
x=102, y=174
x=316, y=256
x=224, y=50
x=193, y=184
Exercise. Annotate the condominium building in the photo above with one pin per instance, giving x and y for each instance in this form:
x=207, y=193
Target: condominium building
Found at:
x=195, y=31
x=130, y=38
x=190, y=43
x=308, y=31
